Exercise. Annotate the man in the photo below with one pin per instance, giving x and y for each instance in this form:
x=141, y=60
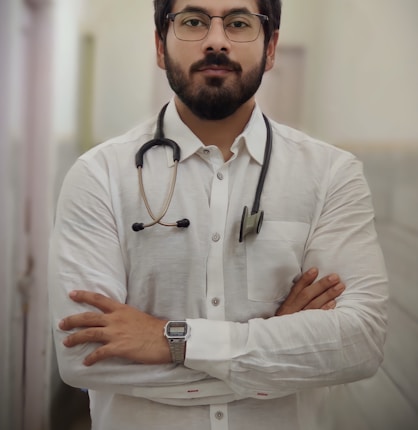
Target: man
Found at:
x=246, y=349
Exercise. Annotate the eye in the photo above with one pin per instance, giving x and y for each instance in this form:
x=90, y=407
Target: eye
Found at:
x=194, y=20
x=239, y=22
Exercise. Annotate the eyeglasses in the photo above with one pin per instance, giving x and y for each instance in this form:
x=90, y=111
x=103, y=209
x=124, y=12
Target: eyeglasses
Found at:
x=239, y=27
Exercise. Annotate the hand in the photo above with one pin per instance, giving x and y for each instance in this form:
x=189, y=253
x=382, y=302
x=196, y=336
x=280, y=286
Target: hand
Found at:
x=122, y=330
x=307, y=294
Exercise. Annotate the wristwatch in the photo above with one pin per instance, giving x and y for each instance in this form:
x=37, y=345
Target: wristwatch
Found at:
x=177, y=333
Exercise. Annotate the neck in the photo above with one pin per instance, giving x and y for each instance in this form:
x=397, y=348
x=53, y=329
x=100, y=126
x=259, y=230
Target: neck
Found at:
x=221, y=133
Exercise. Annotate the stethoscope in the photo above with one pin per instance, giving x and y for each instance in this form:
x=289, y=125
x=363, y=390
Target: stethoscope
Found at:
x=250, y=222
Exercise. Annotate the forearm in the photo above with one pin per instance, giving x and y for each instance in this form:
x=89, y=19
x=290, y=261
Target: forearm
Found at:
x=307, y=349
x=116, y=374
x=121, y=375
x=311, y=348
x=283, y=355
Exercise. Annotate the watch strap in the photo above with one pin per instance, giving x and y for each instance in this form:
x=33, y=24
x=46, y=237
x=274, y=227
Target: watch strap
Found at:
x=177, y=350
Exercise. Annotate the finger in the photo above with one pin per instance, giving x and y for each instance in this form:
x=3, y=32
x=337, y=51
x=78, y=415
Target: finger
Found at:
x=327, y=296
x=314, y=290
x=88, y=335
x=99, y=354
x=330, y=305
x=289, y=306
x=97, y=300
x=86, y=319
x=305, y=280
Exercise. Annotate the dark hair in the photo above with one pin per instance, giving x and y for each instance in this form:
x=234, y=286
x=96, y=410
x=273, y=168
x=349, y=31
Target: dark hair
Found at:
x=271, y=8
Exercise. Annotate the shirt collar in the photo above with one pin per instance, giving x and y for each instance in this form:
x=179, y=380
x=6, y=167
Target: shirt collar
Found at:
x=253, y=136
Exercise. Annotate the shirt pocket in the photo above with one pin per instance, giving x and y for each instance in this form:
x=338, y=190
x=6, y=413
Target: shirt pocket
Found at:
x=274, y=259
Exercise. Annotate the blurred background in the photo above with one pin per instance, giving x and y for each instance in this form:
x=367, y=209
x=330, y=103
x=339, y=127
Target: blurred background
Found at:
x=76, y=72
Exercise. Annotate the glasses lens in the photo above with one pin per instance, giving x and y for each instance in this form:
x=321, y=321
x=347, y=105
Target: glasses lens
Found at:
x=239, y=27
x=242, y=27
x=191, y=25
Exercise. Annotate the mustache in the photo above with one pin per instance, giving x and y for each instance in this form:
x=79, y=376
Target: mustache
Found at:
x=216, y=59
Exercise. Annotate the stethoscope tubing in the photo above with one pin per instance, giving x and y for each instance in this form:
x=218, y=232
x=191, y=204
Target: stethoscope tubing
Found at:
x=264, y=167
x=158, y=219
x=250, y=223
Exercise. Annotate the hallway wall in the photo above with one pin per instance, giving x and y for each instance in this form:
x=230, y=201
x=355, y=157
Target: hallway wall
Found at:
x=25, y=120
x=365, y=85
x=10, y=347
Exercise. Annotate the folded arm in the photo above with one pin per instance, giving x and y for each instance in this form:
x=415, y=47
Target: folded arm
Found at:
x=264, y=357
x=123, y=331
x=313, y=348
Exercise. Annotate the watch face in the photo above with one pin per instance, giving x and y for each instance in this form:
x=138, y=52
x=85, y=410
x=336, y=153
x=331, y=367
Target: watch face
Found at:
x=177, y=329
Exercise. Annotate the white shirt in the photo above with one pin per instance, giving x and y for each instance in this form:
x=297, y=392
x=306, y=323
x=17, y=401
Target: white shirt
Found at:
x=243, y=370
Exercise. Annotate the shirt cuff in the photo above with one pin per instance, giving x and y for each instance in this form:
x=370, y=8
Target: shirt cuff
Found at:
x=213, y=345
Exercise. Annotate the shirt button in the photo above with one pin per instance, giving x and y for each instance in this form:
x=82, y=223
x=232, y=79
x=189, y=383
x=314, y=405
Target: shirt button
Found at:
x=219, y=415
x=220, y=176
x=216, y=302
x=216, y=237
x=206, y=151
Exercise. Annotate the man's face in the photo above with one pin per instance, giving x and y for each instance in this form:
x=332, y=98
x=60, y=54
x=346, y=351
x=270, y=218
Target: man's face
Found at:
x=214, y=76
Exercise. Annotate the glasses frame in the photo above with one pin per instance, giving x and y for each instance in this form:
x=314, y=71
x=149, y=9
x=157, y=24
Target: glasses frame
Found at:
x=263, y=19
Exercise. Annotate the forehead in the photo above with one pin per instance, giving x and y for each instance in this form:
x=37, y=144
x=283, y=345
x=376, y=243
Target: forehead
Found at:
x=216, y=7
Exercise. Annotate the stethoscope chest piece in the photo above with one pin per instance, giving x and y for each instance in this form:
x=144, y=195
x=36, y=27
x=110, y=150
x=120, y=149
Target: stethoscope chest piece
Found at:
x=250, y=223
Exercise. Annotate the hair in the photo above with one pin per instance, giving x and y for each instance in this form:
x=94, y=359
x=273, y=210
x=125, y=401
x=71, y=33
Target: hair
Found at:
x=271, y=8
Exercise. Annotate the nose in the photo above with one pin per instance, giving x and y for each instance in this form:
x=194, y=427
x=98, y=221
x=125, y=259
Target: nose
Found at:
x=216, y=39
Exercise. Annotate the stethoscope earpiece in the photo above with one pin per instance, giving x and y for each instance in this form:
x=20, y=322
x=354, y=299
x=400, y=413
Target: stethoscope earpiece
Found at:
x=183, y=223
x=138, y=226
x=250, y=223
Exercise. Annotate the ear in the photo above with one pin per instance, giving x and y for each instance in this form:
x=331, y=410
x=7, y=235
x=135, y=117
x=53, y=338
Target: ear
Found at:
x=159, y=46
x=271, y=51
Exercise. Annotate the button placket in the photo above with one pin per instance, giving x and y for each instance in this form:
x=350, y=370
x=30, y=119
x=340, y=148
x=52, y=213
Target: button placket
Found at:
x=219, y=417
x=215, y=275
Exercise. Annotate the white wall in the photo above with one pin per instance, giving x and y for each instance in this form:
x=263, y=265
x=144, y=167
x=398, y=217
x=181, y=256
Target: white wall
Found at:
x=10, y=365
x=124, y=62
x=25, y=207
x=366, y=71
x=67, y=14
x=65, y=148
x=35, y=166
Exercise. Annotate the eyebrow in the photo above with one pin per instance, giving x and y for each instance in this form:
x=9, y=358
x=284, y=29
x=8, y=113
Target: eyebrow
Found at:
x=206, y=11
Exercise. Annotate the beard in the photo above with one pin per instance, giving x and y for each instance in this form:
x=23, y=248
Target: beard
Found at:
x=215, y=99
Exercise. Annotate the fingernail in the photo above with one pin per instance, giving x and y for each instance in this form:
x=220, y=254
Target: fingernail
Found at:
x=333, y=278
x=312, y=271
x=73, y=294
x=330, y=305
x=339, y=287
x=61, y=324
